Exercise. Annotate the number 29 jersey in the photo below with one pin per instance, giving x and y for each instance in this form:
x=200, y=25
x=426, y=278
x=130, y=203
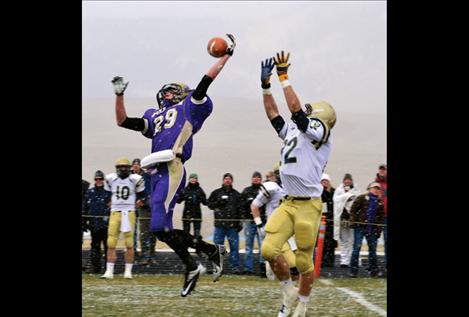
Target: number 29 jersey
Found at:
x=172, y=128
x=124, y=190
x=303, y=158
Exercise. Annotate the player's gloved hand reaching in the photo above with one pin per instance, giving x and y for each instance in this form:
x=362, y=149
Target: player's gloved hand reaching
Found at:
x=266, y=72
x=282, y=66
x=260, y=227
x=231, y=48
x=119, y=85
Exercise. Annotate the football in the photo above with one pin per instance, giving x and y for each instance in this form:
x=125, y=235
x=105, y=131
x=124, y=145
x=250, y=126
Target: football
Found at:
x=217, y=47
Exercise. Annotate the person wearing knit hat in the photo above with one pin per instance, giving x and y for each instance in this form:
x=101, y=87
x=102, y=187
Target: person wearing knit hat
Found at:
x=95, y=205
x=226, y=203
x=343, y=199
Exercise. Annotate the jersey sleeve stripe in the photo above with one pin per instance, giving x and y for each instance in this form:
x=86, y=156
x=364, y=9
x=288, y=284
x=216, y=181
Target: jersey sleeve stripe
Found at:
x=145, y=129
x=198, y=102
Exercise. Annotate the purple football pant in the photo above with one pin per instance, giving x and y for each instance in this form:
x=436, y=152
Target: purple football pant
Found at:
x=166, y=183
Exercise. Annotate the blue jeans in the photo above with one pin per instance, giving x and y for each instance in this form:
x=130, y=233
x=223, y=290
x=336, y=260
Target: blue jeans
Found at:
x=233, y=240
x=250, y=233
x=372, y=240
x=385, y=235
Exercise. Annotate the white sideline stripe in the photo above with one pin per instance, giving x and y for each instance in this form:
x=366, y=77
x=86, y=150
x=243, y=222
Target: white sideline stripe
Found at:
x=358, y=297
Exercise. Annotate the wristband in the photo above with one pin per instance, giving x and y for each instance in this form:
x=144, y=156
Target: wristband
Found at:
x=266, y=91
x=285, y=83
x=258, y=221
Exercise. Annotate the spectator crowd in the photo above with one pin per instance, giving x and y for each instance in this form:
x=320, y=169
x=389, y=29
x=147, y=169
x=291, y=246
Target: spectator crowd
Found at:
x=352, y=216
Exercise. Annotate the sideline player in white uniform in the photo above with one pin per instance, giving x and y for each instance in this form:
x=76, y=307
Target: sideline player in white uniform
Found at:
x=128, y=192
x=303, y=158
x=270, y=195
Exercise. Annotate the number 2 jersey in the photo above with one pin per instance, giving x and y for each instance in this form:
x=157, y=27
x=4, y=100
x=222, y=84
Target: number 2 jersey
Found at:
x=303, y=158
x=172, y=128
x=124, y=190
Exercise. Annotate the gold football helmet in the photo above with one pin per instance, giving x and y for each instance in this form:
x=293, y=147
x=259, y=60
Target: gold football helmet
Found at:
x=123, y=161
x=323, y=111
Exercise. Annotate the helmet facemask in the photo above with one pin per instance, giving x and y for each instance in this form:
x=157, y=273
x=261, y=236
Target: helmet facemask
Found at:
x=179, y=91
x=123, y=171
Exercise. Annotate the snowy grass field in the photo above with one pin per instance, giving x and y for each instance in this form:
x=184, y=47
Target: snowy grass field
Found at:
x=158, y=295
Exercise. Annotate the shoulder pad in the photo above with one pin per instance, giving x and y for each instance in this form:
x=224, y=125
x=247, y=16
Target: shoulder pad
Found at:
x=264, y=191
x=111, y=177
x=268, y=188
x=135, y=177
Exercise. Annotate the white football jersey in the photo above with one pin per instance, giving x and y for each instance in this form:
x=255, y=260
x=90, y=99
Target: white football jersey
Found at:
x=304, y=157
x=269, y=195
x=124, y=190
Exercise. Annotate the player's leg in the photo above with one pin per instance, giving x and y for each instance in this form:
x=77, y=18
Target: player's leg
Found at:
x=290, y=257
x=112, y=237
x=357, y=245
x=129, y=244
x=307, y=220
x=165, y=184
x=278, y=229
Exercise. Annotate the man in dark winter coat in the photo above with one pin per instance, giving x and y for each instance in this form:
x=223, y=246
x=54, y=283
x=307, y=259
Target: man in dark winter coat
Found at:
x=226, y=204
x=193, y=196
x=95, y=204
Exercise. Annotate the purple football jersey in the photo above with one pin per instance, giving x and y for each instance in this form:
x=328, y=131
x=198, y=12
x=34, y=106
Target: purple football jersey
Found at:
x=177, y=123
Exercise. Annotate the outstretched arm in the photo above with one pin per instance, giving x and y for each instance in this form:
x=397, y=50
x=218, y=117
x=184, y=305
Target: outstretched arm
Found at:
x=282, y=71
x=294, y=105
x=201, y=90
x=136, y=124
x=270, y=107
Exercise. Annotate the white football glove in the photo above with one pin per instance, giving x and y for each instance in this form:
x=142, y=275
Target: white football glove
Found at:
x=119, y=85
x=261, y=231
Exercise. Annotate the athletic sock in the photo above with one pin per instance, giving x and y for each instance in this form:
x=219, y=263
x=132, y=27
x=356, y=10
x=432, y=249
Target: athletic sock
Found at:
x=110, y=267
x=303, y=299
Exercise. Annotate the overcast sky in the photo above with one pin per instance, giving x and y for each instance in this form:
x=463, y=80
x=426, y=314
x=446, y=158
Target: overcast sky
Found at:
x=338, y=49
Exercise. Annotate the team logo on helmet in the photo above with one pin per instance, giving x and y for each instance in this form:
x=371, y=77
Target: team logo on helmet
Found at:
x=179, y=91
x=323, y=111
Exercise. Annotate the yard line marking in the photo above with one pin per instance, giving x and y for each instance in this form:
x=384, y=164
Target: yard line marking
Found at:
x=326, y=282
x=357, y=297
